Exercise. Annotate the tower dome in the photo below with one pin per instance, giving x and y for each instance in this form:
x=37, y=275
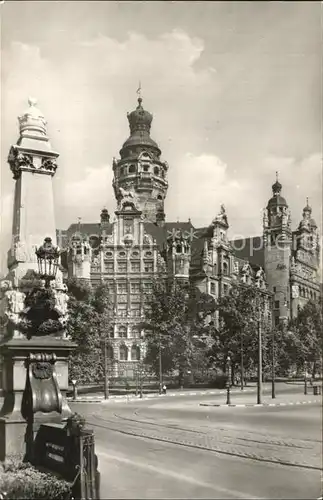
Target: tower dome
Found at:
x=277, y=199
x=307, y=220
x=140, y=174
x=139, y=123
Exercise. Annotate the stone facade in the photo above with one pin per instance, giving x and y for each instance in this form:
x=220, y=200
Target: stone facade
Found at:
x=139, y=244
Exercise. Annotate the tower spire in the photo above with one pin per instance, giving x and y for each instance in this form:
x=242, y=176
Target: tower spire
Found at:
x=138, y=91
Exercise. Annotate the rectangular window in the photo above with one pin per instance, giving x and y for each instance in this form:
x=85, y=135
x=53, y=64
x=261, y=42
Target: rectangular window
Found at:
x=274, y=289
x=122, y=287
x=276, y=321
x=135, y=267
x=212, y=289
x=276, y=304
x=122, y=310
x=135, y=310
x=147, y=287
x=149, y=267
x=135, y=332
x=122, y=267
x=135, y=287
x=108, y=267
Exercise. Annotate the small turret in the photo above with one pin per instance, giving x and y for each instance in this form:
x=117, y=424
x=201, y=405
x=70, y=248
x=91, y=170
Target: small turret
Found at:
x=79, y=257
x=179, y=255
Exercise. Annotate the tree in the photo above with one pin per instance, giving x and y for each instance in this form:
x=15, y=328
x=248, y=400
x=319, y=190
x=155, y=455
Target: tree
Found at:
x=173, y=325
x=307, y=328
x=89, y=321
x=237, y=334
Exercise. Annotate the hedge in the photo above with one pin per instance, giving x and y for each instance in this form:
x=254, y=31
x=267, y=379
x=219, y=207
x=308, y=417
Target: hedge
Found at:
x=20, y=480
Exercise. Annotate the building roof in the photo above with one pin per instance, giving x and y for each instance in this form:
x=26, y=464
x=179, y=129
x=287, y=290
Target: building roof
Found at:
x=250, y=249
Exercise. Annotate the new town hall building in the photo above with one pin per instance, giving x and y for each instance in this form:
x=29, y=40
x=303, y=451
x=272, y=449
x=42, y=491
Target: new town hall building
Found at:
x=138, y=243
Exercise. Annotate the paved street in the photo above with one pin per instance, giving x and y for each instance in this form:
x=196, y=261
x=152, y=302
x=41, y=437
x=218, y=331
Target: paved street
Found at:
x=172, y=447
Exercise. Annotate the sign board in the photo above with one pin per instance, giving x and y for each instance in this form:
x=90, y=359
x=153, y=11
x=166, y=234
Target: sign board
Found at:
x=54, y=450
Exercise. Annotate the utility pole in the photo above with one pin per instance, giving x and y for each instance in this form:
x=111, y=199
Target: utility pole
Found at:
x=259, y=385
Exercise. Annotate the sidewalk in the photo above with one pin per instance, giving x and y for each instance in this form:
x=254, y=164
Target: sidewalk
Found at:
x=244, y=400
x=99, y=398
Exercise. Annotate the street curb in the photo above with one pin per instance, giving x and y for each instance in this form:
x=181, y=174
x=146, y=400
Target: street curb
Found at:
x=261, y=404
x=118, y=397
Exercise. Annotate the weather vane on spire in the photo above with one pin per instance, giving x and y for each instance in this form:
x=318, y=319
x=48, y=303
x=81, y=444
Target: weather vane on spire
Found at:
x=139, y=90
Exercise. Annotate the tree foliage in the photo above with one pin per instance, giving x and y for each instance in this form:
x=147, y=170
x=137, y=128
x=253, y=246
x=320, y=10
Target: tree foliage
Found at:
x=306, y=329
x=173, y=324
x=237, y=335
x=89, y=322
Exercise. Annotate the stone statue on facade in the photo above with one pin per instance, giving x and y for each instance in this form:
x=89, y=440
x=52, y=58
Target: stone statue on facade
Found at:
x=126, y=197
x=222, y=216
x=14, y=305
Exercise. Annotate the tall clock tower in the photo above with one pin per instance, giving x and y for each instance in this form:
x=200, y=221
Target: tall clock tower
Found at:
x=140, y=169
x=277, y=236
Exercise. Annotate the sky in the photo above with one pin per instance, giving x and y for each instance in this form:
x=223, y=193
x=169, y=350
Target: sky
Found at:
x=235, y=89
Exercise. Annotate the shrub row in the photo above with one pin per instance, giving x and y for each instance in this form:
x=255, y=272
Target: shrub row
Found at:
x=20, y=480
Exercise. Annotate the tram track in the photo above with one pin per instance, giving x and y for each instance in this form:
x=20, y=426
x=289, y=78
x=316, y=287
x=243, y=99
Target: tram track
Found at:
x=221, y=442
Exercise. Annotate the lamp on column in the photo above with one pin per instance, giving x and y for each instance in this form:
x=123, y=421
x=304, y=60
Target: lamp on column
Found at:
x=48, y=260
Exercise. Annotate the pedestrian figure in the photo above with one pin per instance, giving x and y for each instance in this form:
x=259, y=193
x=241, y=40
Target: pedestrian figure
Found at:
x=164, y=389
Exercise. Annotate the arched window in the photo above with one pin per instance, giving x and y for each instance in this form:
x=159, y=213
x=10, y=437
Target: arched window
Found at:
x=123, y=353
x=135, y=353
x=132, y=169
x=156, y=171
x=146, y=168
x=178, y=248
x=122, y=332
x=212, y=289
x=225, y=268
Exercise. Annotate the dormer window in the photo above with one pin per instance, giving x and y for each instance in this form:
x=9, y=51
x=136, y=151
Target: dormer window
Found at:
x=132, y=169
x=159, y=197
x=146, y=168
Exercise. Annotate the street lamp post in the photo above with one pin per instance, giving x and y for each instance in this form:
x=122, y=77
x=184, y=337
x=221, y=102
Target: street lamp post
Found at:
x=228, y=370
x=106, y=374
x=241, y=365
x=305, y=377
x=160, y=367
x=273, y=389
x=259, y=385
x=273, y=375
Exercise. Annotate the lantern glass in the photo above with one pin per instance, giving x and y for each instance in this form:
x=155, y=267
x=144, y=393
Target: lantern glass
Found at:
x=47, y=258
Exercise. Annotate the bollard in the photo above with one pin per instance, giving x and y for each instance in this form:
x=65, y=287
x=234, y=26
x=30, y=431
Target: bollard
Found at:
x=74, y=382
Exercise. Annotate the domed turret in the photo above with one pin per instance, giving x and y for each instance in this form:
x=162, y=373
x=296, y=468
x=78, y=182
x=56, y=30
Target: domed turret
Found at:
x=307, y=220
x=277, y=199
x=140, y=169
x=139, y=122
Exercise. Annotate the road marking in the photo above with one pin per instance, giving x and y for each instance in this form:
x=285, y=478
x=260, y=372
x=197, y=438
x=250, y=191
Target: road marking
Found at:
x=176, y=475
